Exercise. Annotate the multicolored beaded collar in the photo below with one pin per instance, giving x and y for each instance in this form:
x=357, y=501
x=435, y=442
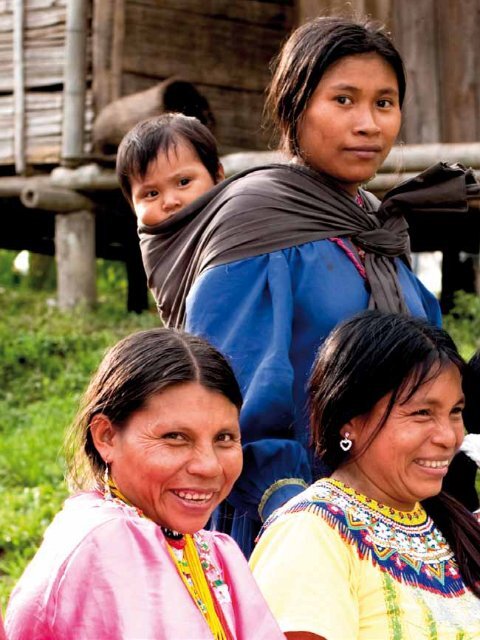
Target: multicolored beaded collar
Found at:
x=406, y=545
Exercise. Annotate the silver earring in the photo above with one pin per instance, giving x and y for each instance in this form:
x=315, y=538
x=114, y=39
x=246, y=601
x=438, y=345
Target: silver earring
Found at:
x=346, y=443
x=107, y=494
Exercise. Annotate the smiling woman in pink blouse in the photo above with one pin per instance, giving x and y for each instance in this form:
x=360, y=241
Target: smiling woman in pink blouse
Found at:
x=155, y=448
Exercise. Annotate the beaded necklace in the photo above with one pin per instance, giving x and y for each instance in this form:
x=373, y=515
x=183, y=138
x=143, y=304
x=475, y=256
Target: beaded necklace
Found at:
x=183, y=551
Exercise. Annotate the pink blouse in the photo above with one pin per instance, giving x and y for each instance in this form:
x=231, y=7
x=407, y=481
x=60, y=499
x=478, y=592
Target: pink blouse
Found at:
x=104, y=572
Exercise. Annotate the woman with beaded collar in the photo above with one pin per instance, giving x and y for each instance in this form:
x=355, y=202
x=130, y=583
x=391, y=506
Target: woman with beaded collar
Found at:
x=377, y=550
x=154, y=449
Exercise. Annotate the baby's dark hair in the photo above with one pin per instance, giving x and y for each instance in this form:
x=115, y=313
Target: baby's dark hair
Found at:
x=161, y=134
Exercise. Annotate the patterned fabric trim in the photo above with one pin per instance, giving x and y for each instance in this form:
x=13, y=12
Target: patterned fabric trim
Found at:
x=213, y=574
x=268, y=493
x=406, y=545
x=393, y=608
x=415, y=517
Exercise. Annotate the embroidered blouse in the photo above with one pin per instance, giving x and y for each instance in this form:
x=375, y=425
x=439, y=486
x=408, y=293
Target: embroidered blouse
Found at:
x=338, y=564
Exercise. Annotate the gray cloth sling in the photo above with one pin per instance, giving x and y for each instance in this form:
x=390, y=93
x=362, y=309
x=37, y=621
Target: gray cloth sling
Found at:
x=273, y=207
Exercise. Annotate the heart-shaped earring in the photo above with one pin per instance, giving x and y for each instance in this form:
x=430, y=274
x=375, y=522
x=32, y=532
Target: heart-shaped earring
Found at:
x=346, y=443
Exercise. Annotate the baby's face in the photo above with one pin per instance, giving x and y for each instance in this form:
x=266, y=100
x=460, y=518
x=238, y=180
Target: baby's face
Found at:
x=172, y=181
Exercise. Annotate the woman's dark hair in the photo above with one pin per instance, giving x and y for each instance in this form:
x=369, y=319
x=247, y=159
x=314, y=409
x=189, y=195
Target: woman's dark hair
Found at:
x=307, y=54
x=140, y=366
x=161, y=134
x=364, y=359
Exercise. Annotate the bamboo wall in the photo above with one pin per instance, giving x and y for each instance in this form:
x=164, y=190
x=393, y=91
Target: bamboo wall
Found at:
x=440, y=44
x=43, y=67
x=222, y=46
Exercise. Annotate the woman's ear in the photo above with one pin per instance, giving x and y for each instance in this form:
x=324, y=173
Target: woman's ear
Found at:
x=220, y=173
x=103, y=436
x=353, y=428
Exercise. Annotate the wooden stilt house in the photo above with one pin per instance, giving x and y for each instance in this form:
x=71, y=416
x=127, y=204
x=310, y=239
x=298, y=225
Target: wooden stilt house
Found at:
x=64, y=61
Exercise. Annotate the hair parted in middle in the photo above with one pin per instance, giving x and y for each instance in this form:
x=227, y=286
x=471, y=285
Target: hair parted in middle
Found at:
x=138, y=367
x=306, y=56
x=162, y=134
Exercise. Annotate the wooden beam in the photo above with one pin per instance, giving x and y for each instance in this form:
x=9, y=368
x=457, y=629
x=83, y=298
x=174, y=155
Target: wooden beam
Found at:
x=417, y=157
x=54, y=199
x=12, y=186
x=90, y=177
x=411, y=158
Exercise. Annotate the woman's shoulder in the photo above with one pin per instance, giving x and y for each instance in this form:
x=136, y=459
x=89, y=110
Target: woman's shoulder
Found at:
x=87, y=526
x=258, y=181
x=83, y=513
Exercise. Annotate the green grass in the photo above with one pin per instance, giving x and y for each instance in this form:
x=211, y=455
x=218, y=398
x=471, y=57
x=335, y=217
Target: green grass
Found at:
x=47, y=358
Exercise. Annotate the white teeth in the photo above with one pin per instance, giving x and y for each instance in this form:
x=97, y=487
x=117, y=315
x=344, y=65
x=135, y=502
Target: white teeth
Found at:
x=433, y=464
x=187, y=495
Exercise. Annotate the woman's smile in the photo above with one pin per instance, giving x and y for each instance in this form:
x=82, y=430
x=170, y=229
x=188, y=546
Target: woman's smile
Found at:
x=408, y=458
x=178, y=457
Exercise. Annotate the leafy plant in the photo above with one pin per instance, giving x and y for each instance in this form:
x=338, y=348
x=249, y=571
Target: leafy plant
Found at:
x=47, y=358
x=463, y=323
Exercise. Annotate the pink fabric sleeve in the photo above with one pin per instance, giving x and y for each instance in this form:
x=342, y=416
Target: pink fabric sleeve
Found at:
x=2, y=630
x=118, y=582
x=103, y=574
x=122, y=584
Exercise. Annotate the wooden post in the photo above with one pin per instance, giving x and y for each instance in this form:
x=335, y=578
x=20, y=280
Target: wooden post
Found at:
x=75, y=232
x=19, y=87
x=118, y=39
x=74, y=84
x=459, y=56
x=75, y=254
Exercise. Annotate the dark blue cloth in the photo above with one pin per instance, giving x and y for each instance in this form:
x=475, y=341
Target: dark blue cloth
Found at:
x=268, y=315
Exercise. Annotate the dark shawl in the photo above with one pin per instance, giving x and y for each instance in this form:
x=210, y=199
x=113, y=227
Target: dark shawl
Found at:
x=273, y=207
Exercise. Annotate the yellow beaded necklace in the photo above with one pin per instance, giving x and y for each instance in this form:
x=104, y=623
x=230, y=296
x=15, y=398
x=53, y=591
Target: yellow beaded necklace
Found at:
x=197, y=586
x=189, y=568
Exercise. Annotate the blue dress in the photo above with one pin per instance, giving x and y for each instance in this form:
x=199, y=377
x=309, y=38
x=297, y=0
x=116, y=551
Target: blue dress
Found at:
x=269, y=315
